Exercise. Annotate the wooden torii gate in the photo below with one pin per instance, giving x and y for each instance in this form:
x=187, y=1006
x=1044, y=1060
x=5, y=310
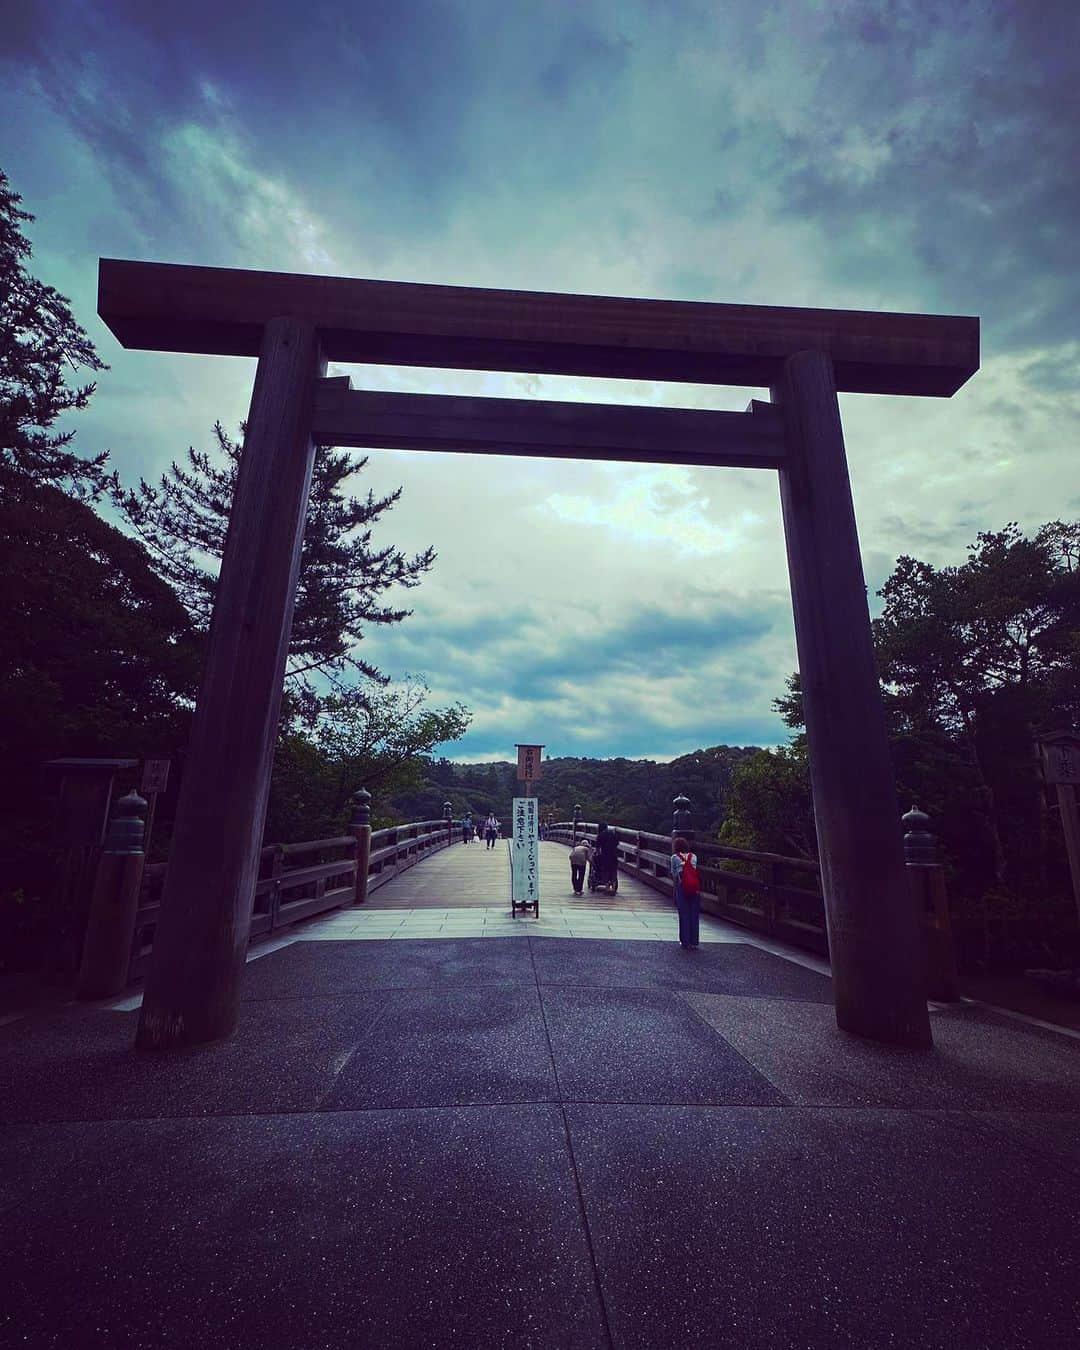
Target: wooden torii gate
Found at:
x=295, y=324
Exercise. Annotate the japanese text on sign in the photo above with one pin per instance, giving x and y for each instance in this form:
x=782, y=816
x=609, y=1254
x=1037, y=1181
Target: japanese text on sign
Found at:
x=528, y=770
x=1062, y=762
x=155, y=776
x=525, y=852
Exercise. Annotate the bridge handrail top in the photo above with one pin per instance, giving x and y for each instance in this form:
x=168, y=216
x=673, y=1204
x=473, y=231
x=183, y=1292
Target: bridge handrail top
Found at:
x=310, y=845
x=701, y=847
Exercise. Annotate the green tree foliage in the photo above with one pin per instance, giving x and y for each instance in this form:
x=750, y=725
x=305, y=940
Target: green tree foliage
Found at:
x=344, y=576
x=90, y=633
x=97, y=658
x=976, y=660
x=380, y=739
x=342, y=726
x=40, y=344
x=979, y=659
x=949, y=638
x=637, y=793
x=769, y=805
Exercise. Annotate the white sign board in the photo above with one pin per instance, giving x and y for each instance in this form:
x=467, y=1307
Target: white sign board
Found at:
x=1062, y=761
x=525, y=852
x=155, y=776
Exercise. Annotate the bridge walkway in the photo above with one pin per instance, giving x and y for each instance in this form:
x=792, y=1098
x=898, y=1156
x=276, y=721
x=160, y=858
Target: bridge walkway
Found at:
x=464, y=891
x=467, y=875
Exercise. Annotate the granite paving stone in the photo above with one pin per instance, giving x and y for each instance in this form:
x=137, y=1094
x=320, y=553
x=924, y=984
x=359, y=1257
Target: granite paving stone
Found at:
x=381, y=1154
x=450, y=1228
x=643, y=1045
x=82, y=1065
x=35, y=1155
x=306, y=969
x=1050, y=1136
x=979, y=1061
x=723, y=967
x=822, y=1229
x=448, y=1046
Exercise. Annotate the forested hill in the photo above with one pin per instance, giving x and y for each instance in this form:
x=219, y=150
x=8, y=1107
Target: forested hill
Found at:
x=633, y=792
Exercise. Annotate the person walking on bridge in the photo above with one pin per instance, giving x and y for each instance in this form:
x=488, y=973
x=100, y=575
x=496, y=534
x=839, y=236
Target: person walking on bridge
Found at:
x=607, y=854
x=491, y=830
x=687, y=892
x=579, y=860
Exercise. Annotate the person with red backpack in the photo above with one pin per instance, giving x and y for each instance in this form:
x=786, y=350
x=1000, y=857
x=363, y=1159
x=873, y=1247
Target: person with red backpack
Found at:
x=684, y=872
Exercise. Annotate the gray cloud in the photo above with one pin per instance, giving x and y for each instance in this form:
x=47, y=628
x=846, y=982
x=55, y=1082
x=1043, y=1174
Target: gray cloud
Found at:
x=935, y=162
x=898, y=156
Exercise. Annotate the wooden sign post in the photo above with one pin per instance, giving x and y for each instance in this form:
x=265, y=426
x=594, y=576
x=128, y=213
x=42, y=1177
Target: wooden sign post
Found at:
x=1061, y=766
x=528, y=767
x=155, y=779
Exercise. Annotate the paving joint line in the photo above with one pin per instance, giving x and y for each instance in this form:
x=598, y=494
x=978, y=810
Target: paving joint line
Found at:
x=889, y=1107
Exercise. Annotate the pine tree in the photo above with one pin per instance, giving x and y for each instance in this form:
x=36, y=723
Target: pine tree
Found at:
x=344, y=577
x=39, y=341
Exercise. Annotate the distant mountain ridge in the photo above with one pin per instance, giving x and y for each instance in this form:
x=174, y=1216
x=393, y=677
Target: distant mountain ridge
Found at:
x=634, y=792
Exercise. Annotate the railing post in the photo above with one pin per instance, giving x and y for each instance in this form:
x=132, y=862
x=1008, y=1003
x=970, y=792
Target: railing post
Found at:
x=770, y=897
x=360, y=828
x=114, y=903
x=277, y=867
x=926, y=877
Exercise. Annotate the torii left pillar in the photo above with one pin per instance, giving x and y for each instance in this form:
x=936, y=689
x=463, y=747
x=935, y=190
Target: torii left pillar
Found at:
x=193, y=986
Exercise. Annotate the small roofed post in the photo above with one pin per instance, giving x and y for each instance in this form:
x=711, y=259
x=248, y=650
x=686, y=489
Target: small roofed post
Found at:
x=360, y=829
x=681, y=819
x=193, y=985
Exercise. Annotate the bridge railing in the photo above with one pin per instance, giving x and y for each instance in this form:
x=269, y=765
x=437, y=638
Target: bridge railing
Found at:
x=298, y=881
x=758, y=892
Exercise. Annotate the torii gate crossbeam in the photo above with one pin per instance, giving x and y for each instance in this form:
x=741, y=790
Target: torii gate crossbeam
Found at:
x=294, y=324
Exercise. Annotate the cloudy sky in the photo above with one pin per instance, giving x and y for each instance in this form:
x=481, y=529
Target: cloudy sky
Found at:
x=871, y=154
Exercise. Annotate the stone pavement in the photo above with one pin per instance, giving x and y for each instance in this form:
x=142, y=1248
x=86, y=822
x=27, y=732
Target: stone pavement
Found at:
x=457, y=1142
x=580, y=919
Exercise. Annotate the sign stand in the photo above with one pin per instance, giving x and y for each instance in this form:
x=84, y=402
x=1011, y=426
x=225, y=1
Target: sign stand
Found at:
x=155, y=779
x=525, y=836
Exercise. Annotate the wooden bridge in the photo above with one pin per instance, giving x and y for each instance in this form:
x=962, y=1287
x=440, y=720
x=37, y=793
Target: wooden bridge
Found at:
x=422, y=867
x=472, y=876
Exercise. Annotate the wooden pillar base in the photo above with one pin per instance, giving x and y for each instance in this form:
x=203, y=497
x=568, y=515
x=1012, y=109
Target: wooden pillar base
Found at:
x=193, y=987
x=875, y=938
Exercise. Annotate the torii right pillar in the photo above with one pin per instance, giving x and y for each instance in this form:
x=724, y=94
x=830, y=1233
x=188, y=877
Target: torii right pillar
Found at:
x=875, y=943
